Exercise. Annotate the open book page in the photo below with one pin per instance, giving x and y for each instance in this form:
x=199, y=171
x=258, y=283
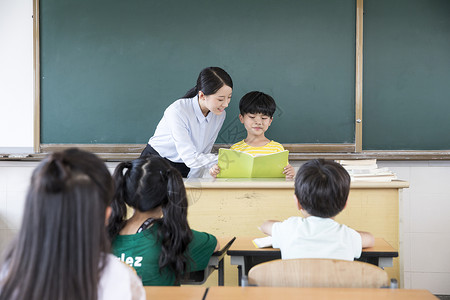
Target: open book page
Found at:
x=237, y=164
x=263, y=242
x=234, y=164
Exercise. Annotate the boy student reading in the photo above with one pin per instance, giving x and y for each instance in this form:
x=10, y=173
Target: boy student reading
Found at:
x=156, y=240
x=61, y=251
x=256, y=113
x=187, y=131
x=321, y=191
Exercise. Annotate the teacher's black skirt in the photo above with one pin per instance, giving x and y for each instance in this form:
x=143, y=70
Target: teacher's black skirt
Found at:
x=181, y=167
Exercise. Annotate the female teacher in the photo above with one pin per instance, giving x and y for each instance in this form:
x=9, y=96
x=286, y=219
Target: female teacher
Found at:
x=187, y=131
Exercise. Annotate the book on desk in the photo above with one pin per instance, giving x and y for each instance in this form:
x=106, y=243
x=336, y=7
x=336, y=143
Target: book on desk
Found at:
x=238, y=164
x=366, y=170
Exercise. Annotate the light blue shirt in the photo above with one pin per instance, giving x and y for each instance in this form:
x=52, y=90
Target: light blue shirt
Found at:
x=184, y=134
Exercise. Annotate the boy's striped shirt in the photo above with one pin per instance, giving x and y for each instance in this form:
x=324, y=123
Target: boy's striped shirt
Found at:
x=269, y=148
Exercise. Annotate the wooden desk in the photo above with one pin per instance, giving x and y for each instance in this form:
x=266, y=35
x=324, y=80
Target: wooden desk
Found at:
x=236, y=207
x=175, y=292
x=245, y=255
x=276, y=293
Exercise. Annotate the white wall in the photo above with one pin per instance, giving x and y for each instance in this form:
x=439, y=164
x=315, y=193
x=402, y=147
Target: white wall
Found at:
x=425, y=224
x=16, y=76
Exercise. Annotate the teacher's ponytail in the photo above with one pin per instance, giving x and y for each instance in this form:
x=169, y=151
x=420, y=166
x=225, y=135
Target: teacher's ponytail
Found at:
x=191, y=93
x=209, y=81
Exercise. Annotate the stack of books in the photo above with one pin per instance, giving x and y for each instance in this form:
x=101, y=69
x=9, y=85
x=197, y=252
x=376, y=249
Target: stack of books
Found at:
x=367, y=170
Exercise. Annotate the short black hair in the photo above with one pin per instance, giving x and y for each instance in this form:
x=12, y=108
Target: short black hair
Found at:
x=322, y=187
x=257, y=103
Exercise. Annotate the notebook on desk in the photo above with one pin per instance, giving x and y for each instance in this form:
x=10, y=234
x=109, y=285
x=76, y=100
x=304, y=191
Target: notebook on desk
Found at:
x=263, y=242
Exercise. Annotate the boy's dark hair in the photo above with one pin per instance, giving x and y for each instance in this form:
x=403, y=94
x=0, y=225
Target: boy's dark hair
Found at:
x=257, y=103
x=322, y=187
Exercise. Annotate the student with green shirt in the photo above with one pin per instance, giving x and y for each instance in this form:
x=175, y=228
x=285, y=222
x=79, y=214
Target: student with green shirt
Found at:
x=157, y=240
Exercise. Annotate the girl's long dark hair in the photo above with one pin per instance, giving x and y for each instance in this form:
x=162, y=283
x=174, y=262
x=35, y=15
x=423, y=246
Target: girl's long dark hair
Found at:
x=59, y=252
x=209, y=81
x=147, y=183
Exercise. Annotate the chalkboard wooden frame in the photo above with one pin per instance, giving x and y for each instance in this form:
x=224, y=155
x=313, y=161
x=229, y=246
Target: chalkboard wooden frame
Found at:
x=298, y=151
x=318, y=148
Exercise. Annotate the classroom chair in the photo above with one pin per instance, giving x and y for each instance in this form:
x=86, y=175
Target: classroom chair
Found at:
x=216, y=262
x=318, y=273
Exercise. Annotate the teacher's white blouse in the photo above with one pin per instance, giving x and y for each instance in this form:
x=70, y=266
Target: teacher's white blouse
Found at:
x=184, y=134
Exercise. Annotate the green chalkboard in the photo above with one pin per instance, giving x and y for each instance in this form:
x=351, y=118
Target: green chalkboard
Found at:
x=109, y=68
x=406, y=75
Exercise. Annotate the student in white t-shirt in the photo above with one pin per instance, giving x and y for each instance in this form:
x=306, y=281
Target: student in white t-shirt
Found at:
x=321, y=192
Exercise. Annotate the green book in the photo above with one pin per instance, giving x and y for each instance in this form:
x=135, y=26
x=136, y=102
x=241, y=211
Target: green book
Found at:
x=237, y=164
